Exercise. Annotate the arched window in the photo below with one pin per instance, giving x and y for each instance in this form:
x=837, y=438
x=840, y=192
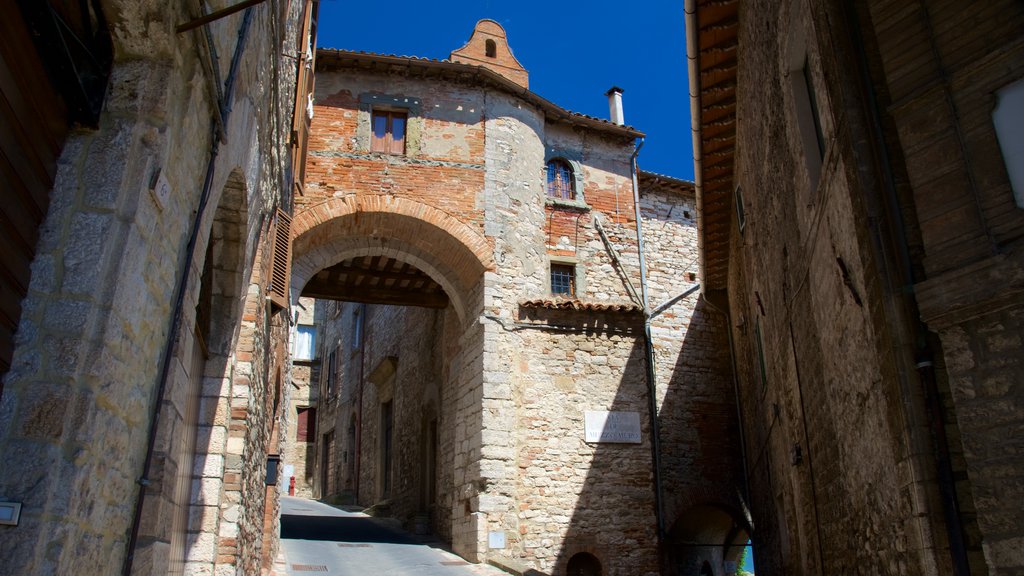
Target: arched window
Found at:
x=561, y=183
x=490, y=48
x=584, y=564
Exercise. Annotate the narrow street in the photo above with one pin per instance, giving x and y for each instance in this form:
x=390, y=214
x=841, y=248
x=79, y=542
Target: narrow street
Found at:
x=318, y=538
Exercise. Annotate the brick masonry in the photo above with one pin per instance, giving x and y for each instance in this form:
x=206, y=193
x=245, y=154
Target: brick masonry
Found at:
x=508, y=384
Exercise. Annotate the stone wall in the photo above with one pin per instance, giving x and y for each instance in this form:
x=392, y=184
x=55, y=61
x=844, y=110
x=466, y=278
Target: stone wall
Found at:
x=969, y=233
x=847, y=456
x=515, y=369
x=304, y=394
x=81, y=396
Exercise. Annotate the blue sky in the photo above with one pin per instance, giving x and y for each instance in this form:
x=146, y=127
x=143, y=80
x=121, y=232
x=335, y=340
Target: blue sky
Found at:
x=574, y=52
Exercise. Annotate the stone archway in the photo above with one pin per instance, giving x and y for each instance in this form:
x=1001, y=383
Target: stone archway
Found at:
x=455, y=255
x=451, y=252
x=706, y=539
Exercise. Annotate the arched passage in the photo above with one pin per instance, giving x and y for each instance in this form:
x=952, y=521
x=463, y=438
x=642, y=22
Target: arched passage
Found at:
x=707, y=540
x=397, y=417
x=451, y=252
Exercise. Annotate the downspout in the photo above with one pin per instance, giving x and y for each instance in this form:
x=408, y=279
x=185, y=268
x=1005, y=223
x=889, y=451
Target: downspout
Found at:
x=693, y=69
x=922, y=349
x=652, y=382
x=224, y=108
x=359, y=409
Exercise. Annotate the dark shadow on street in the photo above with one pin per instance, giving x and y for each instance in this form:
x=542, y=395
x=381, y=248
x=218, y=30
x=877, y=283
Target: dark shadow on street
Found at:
x=342, y=529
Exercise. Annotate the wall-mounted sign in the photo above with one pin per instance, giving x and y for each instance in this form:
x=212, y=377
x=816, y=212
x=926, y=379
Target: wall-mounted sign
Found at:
x=620, y=427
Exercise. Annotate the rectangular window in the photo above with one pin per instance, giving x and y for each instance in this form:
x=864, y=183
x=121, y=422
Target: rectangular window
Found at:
x=812, y=100
x=563, y=279
x=305, y=429
x=741, y=217
x=386, y=432
x=332, y=366
x=808, y=119
x=1008, y=118
x=760, y=354
x=388, y=132
x=304, y=345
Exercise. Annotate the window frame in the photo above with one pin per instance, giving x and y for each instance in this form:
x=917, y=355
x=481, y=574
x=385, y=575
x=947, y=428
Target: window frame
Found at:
x=571, y=160
x=566, y=187
x=312, y=343
x=371, y=102
x=388, y=144
x=569, y=267
x=310, y=428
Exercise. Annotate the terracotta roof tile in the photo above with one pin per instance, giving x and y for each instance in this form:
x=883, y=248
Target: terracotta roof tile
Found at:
x=580, y=305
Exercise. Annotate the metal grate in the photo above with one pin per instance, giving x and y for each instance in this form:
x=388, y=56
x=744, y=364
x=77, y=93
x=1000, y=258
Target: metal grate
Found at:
x=563, y=279
x=560, y=180
x=308, y=568
x=347, y=545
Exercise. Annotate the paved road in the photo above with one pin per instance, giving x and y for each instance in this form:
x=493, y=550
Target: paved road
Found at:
x=320, y=539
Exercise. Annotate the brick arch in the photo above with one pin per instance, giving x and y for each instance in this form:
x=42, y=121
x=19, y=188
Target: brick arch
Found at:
x=448, y=250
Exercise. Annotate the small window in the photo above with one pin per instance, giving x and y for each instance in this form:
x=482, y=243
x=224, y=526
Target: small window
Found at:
x=332, y=367
x=490, y=48
x=561, y=183
x=305, y=342
x=808, y=119
x=305, y=429
x=563, y=279
x=760, y=354
x=388, y=132
x=1008, y=118
x=741, y=218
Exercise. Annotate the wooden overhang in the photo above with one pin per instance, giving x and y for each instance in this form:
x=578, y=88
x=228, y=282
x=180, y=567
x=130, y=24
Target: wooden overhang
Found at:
x=376, y=280
x=426, y=68
x=714, y=25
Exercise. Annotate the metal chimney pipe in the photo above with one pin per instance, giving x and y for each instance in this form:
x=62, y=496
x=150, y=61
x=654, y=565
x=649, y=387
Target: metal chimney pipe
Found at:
x=614, y=95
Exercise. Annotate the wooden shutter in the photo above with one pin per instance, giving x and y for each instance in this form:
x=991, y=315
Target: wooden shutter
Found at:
x=305, y=429
x=281, y=261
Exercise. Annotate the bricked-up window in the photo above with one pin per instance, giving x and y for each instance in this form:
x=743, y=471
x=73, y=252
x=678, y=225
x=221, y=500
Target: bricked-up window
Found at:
x=563, y=279
x=561, y=183
x=388, y=132
x=305, y=429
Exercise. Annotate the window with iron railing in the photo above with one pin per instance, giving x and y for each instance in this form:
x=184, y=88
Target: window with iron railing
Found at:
x=561, y=183
x=563, y=280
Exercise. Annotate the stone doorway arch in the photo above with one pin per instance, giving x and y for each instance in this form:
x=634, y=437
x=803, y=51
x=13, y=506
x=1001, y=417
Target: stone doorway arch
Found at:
x=451, y=252
x=707, y=540
x=455, y=256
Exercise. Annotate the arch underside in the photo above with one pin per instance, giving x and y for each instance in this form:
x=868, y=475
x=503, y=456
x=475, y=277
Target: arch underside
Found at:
x=452, y=254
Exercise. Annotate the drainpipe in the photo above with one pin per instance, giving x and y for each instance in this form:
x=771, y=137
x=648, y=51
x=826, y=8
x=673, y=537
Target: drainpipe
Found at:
x=224, y=107
x=652, y=381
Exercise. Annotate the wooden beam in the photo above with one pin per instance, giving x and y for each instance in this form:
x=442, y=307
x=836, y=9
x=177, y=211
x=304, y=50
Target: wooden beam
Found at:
x=395, y=297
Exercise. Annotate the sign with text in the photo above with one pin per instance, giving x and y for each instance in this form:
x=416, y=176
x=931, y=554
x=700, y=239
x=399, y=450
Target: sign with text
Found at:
x=618, y=427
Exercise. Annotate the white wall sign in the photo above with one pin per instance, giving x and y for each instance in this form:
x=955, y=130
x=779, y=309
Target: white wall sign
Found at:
x=496, y=540
x=620, y=427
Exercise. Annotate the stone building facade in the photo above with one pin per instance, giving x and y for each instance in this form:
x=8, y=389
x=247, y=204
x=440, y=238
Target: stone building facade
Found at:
x=145, y=387
x=475, y=256
x=860, y=232
x=299, y=455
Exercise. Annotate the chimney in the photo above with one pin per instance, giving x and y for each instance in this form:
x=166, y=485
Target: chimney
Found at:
x=614, y=95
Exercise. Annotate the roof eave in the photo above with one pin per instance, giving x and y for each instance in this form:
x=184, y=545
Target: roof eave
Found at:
x=552, y=112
